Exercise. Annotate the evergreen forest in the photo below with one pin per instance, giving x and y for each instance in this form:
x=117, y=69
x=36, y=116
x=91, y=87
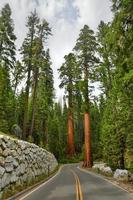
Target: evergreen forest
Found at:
x=85, y=126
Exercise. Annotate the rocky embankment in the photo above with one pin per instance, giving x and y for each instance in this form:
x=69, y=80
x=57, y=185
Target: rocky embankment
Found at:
x=119, y=174
x=21, y=163
x=120, y=177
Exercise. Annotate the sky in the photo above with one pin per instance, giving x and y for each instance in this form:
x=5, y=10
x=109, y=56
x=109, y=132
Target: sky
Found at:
x=66, y=18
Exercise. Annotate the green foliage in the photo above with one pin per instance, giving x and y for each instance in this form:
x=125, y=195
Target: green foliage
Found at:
x=107, y=58
x=76, y=159
x=95, y=130
x=57, y=138
x=7, y=38
x=85, y=49
x=117, y=118
x=6, y=101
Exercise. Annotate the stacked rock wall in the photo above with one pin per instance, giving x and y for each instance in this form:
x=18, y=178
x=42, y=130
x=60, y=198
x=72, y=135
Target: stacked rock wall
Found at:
x=22, y=162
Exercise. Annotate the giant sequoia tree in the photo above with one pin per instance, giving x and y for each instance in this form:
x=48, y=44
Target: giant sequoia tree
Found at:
x=86, y=48
x=68, y=76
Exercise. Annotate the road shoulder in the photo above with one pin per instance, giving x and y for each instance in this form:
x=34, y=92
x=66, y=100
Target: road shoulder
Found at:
x=124, y=186
x=30, y=189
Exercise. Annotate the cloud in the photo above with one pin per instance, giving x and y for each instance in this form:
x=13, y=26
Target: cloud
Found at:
x=66, y=18
x=91, y=12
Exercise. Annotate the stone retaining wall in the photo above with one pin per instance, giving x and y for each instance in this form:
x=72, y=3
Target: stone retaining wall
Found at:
x=22, y=162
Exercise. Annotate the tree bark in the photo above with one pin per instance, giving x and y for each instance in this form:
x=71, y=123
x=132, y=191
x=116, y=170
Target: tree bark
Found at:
x=87, y=154
x=34, y=102
x=27, y=89
x=71, y=149
x=26, y=103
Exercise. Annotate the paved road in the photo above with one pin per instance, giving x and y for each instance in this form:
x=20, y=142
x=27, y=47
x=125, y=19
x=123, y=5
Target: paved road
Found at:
x=73, y=184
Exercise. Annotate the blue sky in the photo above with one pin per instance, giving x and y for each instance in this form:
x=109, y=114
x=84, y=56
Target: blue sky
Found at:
x=66, y=18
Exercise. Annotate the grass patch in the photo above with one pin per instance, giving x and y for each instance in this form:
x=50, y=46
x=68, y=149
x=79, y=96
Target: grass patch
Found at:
x=8, y=135
x=75, y=159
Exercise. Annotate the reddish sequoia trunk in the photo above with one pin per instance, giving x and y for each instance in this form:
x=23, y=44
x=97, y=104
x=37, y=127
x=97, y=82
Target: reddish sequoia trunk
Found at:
x=70, y=150
x=87, y=155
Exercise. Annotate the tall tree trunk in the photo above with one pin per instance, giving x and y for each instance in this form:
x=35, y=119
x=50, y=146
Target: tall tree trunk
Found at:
x=26, y=103
x=34, y=102
x=87, y=154
x=27, y=89
x=71, y=149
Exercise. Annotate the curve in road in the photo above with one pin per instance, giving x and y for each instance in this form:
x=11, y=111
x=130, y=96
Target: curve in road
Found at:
x=71, y=183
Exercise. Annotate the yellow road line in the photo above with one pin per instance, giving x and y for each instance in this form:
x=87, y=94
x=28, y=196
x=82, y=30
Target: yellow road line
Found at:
x=79, y=194
x=80, y=190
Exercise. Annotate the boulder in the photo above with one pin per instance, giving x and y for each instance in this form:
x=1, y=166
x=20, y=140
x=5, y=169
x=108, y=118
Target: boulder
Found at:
x=14, y=178
x=1, y=151
x=15, y=163
x=6, y=152
x=103, y=168
x=5, y=180
x=9, y=167
x=121, y=175
x=9, y=159
x=2, y=161
x=2, y=170
x=99, y=166
x=16, y=130
x=107, y=170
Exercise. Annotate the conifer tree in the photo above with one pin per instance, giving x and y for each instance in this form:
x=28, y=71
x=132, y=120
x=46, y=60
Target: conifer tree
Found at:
x=7, y=61
x=67, y=76
x=43, y=31
x=7, y=38
x=45, y=96
x=27, y=52
x=86, y=49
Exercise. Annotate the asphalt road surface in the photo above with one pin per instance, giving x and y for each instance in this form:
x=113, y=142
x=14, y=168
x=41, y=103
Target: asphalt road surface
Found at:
x=73, y=184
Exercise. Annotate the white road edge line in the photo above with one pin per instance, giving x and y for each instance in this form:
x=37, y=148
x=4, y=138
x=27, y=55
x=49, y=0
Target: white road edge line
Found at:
x=41, y=185
x=83, y=170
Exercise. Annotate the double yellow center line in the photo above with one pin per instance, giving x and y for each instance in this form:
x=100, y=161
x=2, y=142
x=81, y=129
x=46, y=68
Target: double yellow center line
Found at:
x=79, y=194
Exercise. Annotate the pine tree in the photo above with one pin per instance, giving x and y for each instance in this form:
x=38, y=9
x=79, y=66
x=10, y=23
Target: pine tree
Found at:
x=7, y=38
x=18, y=75
x=58, y=131
x=45, y=95
x=116, y=128
x=105, y=70
x=27, y=52
x=38, y=53
x=7, y=60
